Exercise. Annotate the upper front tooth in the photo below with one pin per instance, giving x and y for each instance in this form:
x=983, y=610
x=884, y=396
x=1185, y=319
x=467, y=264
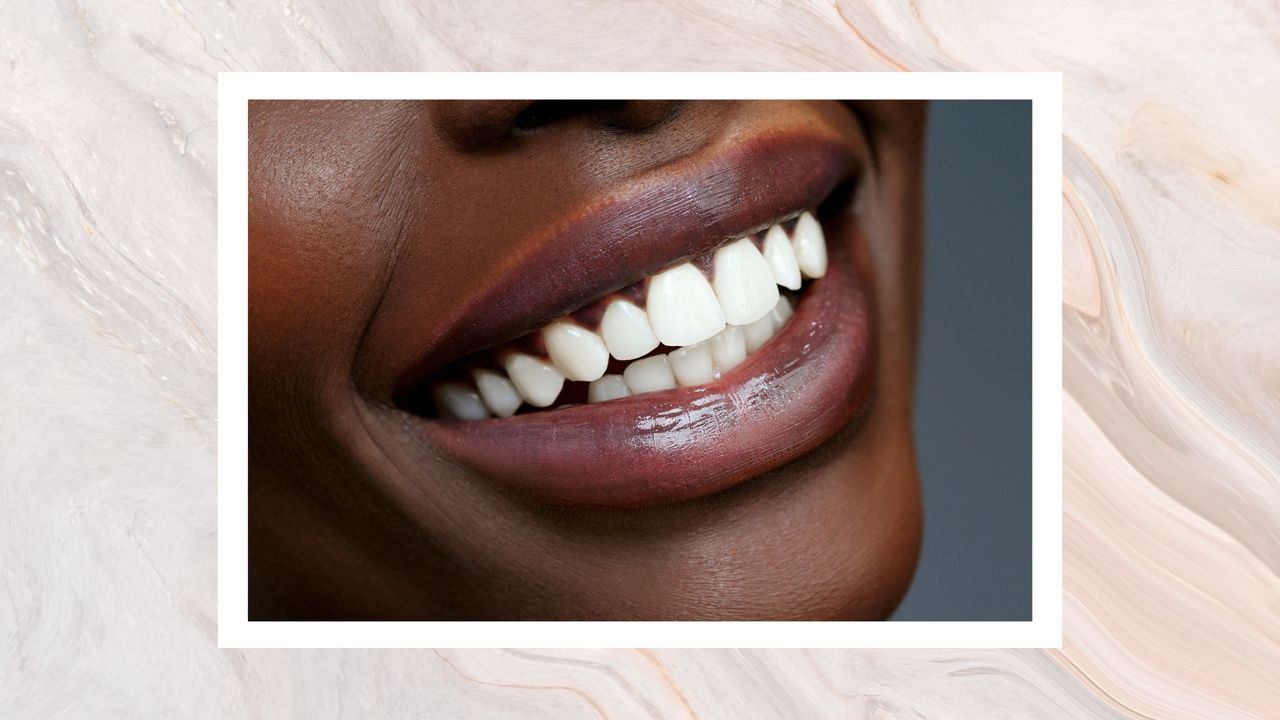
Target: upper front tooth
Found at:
x=499, y=395
x=579, y=353
x=626, y=330
x=539, y=383
x=459, y=401
x=682, y=306
x=781, y=258
x=810, y=246
x=744, y=283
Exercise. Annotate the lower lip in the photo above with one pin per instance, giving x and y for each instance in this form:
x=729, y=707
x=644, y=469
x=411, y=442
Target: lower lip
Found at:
x=792, y=395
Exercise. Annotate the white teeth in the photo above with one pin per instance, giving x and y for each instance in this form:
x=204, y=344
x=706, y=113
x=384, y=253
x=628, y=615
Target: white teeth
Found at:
x=499, y=395
x=710, y=326
x=781, y=258
x=579, y=353
x=539, y=383
x=758, y=332
x=683, y=309
x=692, y=365
x=743, y=282
x=459, y=401
x=649, y=375
x=626, y=331
x=810, y=246
x=609, y=387
x=728, y=349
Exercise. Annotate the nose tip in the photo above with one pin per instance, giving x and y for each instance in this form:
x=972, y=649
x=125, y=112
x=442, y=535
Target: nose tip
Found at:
x=484, y=124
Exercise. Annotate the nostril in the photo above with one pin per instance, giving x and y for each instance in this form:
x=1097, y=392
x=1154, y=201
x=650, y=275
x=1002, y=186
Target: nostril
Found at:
x=630, y=115
x=541, y=113
x=494, y=125
x=637, y=115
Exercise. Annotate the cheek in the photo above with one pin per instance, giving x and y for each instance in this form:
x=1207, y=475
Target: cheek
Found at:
x=326, y=202
x=309, y=289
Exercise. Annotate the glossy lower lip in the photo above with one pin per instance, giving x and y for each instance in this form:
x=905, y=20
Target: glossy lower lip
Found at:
x=793, y=394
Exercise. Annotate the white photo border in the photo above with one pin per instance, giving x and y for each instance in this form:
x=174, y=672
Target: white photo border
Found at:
x=1044, y=90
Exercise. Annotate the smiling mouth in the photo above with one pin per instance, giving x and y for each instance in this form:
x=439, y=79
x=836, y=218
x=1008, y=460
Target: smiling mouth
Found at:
x=688, y=325
x=740, y=341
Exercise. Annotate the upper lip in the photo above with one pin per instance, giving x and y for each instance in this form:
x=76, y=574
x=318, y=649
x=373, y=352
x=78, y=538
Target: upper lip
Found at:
x=657, y=219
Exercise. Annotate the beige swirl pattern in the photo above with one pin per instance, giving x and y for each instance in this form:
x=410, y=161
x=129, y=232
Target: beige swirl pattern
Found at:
x=1171, y=355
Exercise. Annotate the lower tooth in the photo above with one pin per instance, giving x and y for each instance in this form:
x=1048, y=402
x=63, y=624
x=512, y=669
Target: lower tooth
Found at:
x=649, y=375
x=758, y=332
x=458, y=401
x=728, y=349
x=692, y=364
x=782, y=312
x=539, y=383
x=499, y=395
x=609, y=387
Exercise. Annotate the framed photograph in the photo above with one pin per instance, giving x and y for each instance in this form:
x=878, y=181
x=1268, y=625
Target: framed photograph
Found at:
x=613, y=369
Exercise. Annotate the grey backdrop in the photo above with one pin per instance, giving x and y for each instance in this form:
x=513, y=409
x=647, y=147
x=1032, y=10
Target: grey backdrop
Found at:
x=973, y=403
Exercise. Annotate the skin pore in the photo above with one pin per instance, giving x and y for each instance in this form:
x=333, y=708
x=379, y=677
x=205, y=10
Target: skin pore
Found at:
x=370, y=221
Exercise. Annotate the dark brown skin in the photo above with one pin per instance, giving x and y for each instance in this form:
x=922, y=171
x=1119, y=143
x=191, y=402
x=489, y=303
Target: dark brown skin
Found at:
x=366, y=217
